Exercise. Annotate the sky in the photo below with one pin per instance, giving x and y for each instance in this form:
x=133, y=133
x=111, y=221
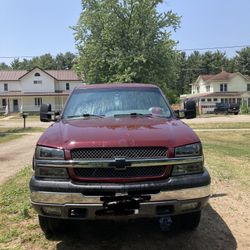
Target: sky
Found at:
x=33, y=28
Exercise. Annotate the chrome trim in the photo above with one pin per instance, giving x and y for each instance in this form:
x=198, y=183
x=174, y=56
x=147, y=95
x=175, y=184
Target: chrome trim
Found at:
x=110, y=163
x=78, y=198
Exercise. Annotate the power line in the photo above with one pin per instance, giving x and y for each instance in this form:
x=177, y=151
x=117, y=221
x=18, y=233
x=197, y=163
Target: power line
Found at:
x=214, y=48
x=186, y=49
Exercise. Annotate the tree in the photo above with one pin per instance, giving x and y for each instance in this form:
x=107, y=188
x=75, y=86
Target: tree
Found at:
x=242, y=61
x=65, y=61
x=126, y=41
x=4, y=66
x=45, y=61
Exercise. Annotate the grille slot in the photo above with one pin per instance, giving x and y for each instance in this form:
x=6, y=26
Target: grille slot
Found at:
x=130, y=172
x=111, y=153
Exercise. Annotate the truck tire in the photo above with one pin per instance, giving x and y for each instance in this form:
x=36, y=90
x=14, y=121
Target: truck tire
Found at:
x=51, y=226
x=190, y=221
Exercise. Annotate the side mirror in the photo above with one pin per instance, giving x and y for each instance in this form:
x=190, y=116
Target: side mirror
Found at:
x=190, y=109
x=45, y=113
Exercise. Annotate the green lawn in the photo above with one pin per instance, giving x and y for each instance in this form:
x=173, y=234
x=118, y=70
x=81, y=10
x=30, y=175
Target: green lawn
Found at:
x=9, y=137
x=21, y=130
x=226, y=125
x=227, y=155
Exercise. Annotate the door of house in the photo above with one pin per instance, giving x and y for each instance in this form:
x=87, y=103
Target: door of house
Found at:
x=15, y=105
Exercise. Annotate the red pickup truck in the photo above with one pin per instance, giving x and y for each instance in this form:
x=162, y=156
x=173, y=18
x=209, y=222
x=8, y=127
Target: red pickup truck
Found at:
x=118, y=150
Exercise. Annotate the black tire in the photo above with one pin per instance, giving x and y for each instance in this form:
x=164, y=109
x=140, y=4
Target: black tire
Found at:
x=236, y=113
x=190, y=221
x=51, y=226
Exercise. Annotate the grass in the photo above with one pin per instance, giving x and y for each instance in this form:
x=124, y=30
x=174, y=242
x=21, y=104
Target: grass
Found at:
x=9, y=137
x=9, y=134
x=226, y=125
x=19, y=227
x=227, y=155
x=21, y=130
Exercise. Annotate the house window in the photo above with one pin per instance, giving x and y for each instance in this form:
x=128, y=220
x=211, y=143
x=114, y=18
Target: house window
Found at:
x=226, y=100
x=6, y=87
x=239, y=101
x=223, y=87
x=209, y=99
x=215, y=100
x=203, y=100
x=37, y=81
x=37, y=74
x=198, y=89
x=248, y=102
x=208, y=88
x=248, y=87
x=38, y=101
x=222, y=100
x=4, y=103
x=67, y=86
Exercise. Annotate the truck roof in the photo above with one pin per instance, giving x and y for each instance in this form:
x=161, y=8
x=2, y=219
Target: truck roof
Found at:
x=117, y=85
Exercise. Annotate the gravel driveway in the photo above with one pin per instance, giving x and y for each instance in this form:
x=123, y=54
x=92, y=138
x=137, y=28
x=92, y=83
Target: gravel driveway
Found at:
x=16, y=154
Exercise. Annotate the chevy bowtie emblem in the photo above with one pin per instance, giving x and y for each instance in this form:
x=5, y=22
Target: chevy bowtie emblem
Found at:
x=120, y=164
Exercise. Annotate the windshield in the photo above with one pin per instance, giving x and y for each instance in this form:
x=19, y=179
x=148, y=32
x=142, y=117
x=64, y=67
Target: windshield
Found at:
x=116, y=102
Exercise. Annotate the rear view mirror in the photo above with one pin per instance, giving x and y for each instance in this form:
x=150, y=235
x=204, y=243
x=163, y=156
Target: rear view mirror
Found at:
x=45, y=113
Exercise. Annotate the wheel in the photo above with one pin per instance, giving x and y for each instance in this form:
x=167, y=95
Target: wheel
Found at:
x=51, y=226
x=190, y=221
x=236, y=113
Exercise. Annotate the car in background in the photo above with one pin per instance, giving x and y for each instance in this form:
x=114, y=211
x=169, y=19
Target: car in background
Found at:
x=227, y=108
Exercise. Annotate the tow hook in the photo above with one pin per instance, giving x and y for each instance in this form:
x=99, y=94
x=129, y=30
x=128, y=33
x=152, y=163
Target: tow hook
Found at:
x=165, y=223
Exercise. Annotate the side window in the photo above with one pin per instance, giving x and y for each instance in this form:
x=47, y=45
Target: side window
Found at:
x=4, y=102
x=6, y=87
x=248, y=87
x=67, y=86
x=37, y=82
x=38, y=101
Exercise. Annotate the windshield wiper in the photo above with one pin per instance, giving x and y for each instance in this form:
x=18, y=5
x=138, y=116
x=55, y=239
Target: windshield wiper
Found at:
x=85, y=115
x=134, y=114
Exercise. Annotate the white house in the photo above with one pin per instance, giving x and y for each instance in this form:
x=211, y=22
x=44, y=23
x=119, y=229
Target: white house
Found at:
x=208, y=90
x=22, y=90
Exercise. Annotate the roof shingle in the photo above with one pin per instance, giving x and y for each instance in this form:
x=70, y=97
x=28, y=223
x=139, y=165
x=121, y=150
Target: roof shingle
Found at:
x=60, y=75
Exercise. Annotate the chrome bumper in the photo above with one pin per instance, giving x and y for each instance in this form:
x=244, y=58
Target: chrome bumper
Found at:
x=78, y=198
x=78, y=206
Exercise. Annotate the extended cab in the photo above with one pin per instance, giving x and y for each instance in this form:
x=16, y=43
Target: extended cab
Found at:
x=118, y=150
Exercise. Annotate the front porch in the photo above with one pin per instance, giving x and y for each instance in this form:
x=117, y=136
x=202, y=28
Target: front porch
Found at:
x=31, y=103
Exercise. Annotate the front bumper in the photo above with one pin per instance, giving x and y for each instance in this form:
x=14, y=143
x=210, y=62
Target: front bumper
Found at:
x=174, y=195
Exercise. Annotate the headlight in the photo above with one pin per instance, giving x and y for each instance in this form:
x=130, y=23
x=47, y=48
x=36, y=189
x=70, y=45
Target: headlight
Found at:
x=44, y=153
x=188, y=150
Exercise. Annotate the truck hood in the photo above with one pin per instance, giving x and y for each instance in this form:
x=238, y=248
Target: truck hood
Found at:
x=118, y=132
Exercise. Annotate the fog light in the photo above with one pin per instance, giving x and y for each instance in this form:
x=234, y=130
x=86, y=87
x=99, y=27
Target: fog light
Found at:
x=52, y=211
x=52, y=172
x=189, y=206
x=192, y=168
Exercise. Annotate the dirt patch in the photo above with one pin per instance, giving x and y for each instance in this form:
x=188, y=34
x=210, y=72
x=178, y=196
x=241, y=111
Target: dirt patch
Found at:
x=16, y=154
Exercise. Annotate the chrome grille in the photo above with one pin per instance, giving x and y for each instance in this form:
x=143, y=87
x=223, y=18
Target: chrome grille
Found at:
x=130, y=172
x=112, y=153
